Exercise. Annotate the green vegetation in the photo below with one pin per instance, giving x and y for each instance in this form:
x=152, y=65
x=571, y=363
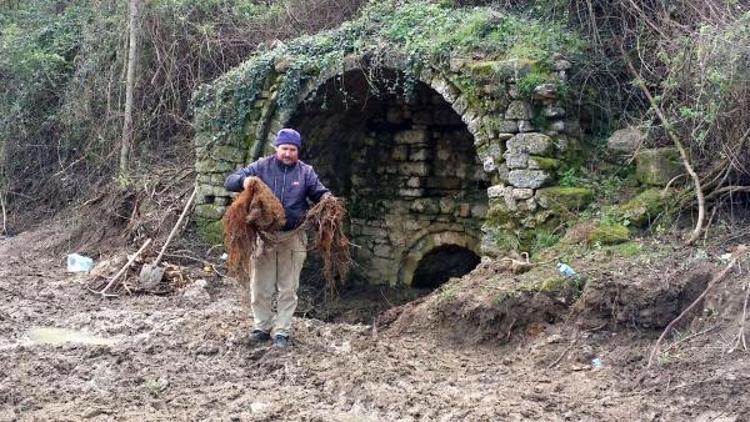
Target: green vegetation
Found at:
x=606, y=234
x=419, y=35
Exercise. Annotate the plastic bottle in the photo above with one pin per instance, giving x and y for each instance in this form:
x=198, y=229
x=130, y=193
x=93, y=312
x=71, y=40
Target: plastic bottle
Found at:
x=565, y=270
x=79, y=263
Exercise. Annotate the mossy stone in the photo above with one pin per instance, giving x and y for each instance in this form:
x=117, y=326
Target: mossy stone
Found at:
x=543, y=163
x=564, y=198
x=212, y=231
x=498, y=215
x=608, y=234
x=642, y=209
x=658, y=166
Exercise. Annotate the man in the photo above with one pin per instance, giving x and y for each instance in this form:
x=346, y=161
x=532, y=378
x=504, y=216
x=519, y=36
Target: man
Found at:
x=277, y=267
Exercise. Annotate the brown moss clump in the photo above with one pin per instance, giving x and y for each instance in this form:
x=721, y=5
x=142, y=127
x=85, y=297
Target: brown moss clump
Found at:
x=253, y=213
x=326, y=220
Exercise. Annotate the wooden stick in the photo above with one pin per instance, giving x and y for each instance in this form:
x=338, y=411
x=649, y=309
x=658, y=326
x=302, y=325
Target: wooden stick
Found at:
x=717, y=278
x=176, y=226
x=125, y=267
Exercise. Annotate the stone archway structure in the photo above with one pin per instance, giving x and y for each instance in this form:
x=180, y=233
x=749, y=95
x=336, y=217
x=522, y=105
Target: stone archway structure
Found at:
x=494, y=175
x=428, y=243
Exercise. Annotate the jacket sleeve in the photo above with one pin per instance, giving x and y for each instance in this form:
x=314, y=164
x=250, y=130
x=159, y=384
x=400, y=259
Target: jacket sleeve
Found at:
x=315, y=189
x=234, y=181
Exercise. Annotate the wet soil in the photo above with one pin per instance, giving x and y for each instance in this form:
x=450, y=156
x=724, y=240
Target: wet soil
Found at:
x=186, y=356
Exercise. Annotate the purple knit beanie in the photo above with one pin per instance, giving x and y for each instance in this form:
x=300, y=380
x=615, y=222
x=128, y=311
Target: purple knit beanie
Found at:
x=288, y=136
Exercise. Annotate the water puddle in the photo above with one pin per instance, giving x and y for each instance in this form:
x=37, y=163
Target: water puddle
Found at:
x=50, y=335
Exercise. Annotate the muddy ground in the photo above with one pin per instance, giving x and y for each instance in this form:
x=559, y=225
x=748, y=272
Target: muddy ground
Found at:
x=184, y=356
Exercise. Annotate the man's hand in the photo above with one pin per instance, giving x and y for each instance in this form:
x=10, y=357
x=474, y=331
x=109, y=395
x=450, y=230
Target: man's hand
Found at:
x=246, y=182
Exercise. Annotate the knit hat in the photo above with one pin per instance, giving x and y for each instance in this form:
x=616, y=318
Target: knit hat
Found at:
x=288, y=136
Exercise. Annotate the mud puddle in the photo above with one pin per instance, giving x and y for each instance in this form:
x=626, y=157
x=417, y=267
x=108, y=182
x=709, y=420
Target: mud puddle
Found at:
x=54, y=336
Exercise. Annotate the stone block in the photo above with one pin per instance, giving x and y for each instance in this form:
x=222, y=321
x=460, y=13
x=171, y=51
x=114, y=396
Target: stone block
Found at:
x=518, y=110
x=425, y=206
x=210, y=211
x=414, y=182
x=564, y=198
x=414, y=168
x=557, y=126
x=399, y=153
x=507, y=126
x=497, y=191
x=447, y=183
x=503, y=137
x=213, y=166
x=374, y=231
x=543, y=163
x=545, y=91
x=447, y=205
x=411, y=193
x=525, y=126
x=516, y=160
x=421, y=154
x=479, y=210
x=625, y=141
x=464, y=210
x=531, y=143
x=488, y=163
x=522, y=193
x=553, y=111
x=410, y=137
x=533, y=179
x=445, y=89
x=658, y=166
x=502, y=173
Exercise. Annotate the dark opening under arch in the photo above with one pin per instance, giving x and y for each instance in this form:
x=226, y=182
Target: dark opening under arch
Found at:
x=442, y=263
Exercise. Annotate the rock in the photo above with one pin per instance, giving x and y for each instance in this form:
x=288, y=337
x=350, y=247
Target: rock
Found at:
x=658, y=166
x=525, y=126
x=625, y=141
x=545, y=91
x=554, y=111
x=562, y=65
x=522, y=193
x=564, y=198
x=496, y=191
x=410, y=137
x=532, y=143
x=528, y=178
x=518, y=110
x=507, y=126
x=642, y=209
x=489, y=164
x=543, y=163
x=516, y=160
x=608, y=234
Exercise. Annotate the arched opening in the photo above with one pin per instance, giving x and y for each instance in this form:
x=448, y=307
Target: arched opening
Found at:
x=404, y=161
x=442, y=263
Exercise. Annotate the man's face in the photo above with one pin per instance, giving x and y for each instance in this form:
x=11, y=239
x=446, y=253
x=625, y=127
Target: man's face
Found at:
x=287, y=154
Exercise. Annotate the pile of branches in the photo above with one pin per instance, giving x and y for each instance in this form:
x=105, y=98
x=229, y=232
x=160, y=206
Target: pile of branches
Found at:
x=253, y=216
x=326, y=220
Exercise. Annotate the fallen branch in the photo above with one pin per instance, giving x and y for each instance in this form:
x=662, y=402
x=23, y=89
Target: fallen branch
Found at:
x=132, y=259
x=739, y=253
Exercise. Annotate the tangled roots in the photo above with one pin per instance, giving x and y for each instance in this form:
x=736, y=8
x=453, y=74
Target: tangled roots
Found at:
x=253, y=213
x=326, y=220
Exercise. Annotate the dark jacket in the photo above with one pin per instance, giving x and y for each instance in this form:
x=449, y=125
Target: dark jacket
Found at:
x=293, y=185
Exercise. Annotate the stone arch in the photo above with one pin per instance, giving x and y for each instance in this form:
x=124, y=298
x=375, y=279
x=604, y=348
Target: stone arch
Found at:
x=276, y=118
x=428, y=243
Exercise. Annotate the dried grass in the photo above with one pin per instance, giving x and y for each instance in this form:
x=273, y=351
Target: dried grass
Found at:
x=326, y=219
x=253, y=214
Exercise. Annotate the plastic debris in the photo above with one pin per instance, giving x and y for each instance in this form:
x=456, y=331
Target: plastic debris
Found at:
x=596, y=363
x=79, y=263
x=565, y=270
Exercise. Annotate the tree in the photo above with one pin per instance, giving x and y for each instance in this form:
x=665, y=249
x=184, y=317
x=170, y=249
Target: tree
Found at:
x=134, y=25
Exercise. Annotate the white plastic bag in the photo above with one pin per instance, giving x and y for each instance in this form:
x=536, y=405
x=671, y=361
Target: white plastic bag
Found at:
x=79, y=263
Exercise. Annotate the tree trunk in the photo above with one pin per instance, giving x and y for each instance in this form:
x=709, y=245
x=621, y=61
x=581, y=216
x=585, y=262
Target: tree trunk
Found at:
x=134, y=25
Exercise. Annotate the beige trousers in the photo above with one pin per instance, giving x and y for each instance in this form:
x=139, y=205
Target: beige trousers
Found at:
x=276, y=268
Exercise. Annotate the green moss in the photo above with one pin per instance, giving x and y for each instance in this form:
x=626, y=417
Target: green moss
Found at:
x=212, y=231
x=562, y=198
x=607, y=234
x=545, y=163
x=628, y=249
x=642, y=209
x=498, y=215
